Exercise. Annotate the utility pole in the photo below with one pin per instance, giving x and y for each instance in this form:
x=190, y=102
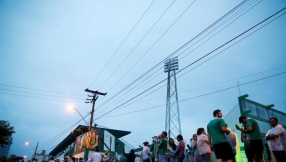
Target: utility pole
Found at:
x=94, y=98
x=172, y=120
x=35, y=151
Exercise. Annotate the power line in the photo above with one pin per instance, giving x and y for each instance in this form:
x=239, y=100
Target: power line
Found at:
x=39, y=94
x=6, y=85
x=205, y=30
x=33, y=97
x=200, y=58
x=152, y=45
x=122, y=42
x=205, y=41
x=209, y=84
x=136, y=45
x=61, y=134
x=206, y=94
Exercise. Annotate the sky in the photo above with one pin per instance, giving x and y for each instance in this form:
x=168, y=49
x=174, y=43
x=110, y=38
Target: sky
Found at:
x=51, y=51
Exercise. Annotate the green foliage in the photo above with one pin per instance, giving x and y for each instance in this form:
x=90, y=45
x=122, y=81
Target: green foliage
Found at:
x=6, y=132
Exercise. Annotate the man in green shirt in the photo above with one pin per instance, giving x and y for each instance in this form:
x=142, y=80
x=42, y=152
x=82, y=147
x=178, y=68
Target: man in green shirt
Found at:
x=256, y=144
x=216, y=130
x=153, y=148
x=163, y=147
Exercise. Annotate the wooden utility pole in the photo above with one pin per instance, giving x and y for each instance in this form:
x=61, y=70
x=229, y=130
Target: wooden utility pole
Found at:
x=94, y=98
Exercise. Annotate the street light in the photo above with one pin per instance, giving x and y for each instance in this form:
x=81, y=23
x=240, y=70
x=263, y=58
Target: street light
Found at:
x=71, y=107
x=35, y=150
x=24, y=156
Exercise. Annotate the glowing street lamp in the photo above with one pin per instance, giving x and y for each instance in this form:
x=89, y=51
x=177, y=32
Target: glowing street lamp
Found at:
x=35, y=150
x=71, y=107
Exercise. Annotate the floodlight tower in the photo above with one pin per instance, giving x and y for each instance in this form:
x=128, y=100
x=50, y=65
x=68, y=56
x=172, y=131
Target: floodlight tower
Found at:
x=172, y=121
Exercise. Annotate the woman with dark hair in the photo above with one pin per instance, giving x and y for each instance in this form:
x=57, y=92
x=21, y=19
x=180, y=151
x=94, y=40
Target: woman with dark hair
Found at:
x=203, y=146
x=171, y=150
x=131, y=156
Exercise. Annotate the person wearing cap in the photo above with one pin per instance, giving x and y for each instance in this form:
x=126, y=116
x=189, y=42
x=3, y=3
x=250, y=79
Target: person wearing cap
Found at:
x=256, y=144
x=216, y=129
x=153, y=149
x=163, y=147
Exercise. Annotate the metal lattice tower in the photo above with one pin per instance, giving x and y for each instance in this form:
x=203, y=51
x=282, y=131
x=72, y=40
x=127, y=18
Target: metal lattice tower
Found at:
x=172, y=121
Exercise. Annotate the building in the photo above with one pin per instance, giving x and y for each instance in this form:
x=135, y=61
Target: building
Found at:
x=4, y=150
x=81, y=143
x=261, y=113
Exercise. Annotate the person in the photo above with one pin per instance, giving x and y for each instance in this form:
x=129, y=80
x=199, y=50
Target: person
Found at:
x=246, y=141
x=146, y=153
x=93, y=142
x=256, y=144
x=194, y=147
x=231, y=138
x=153, y=148
x=180, y=150
x=96, y=157
x=171, y=149
x=106, y=157
x=131, y=156
x=123, y=157
x=203, y=146
x=216, y=129
x=162, y=146
x=78, y=144
x=273, y=136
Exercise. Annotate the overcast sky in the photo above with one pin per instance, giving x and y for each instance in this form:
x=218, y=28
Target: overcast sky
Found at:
x=51, y=51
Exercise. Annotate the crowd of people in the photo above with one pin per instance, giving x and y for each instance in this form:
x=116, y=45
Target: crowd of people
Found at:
x=217, y=143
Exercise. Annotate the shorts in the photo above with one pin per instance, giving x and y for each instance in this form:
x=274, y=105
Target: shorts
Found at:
x=223, y=151
x=256, y=147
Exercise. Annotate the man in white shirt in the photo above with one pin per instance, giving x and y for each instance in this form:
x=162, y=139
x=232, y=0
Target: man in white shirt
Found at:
x=146, y=153
x=96, y=157
x=273, y=136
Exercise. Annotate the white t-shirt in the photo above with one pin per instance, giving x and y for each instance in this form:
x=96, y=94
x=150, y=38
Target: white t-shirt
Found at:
x=145, y=152
x=202, y=146
x=96, y=157
x=276, y=144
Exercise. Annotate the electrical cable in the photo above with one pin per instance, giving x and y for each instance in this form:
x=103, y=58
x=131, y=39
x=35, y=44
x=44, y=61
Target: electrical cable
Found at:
x=152, y=45
x=122, y=42
x=39, y=89
x=205, y=30
x=136, y=45
x=62, y=133
x=34, y=97
x=210, y=84
x=40, y=94
x=127, y=93
x=217, y=91
x=197, y=60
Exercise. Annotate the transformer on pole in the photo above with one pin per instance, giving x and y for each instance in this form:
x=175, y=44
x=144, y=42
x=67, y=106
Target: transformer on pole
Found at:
x=172, y=121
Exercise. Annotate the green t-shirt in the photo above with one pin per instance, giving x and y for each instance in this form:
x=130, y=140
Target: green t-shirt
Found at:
x=122, y=159
x=153, y=148
x=255, y=133
x=163, y=146
x=214, y=128
x=247, y=143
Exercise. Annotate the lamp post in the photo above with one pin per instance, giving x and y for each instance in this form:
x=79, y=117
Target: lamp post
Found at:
x=35, y=150
x=80, y=114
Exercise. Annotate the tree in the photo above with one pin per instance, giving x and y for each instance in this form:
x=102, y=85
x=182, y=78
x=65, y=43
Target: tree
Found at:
x=6, y=132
